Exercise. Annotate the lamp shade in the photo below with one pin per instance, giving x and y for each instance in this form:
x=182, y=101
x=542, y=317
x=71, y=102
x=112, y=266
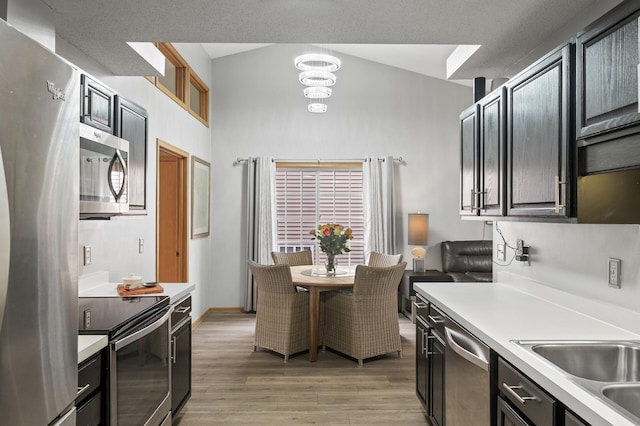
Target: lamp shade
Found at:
x=418, y=229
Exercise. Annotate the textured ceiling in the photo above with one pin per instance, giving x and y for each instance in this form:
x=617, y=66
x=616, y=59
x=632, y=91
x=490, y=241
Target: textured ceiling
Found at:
x=512, y=33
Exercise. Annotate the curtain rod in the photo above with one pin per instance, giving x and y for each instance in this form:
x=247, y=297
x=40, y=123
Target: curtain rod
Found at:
x=317, y=160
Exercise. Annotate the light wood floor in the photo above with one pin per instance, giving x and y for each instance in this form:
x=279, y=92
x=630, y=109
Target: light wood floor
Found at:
x=232, y=385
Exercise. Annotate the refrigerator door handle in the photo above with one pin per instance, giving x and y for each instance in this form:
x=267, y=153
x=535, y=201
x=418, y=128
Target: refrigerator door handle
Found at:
x=5, y=240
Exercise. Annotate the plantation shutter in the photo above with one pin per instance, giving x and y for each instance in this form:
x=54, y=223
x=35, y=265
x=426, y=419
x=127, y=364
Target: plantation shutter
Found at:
x=307, y=196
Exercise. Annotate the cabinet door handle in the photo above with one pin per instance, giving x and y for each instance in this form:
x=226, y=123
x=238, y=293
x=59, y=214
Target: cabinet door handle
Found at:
x=511, y=391
x=558, y=183
x=82, y=389
x=174, y=353
x=473, y=200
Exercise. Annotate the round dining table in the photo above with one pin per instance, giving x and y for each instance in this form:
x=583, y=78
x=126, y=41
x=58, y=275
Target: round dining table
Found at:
x=316, y=280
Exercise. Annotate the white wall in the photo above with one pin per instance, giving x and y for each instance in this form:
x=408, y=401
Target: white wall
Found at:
x=115, y=242
x=375, y=110
x=573, y=258
x=257, y=108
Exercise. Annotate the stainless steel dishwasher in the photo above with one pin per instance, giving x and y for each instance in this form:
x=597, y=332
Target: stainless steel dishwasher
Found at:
x=467, y=378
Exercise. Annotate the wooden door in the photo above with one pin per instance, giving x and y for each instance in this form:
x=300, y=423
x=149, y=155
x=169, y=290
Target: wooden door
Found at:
x=172, y=236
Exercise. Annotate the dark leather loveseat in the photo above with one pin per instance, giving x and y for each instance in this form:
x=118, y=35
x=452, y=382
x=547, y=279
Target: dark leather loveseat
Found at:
x=467, y=260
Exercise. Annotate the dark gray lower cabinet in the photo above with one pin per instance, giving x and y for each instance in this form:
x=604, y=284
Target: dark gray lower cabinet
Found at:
x=90, y=403
x=180, y=355
x=181, y=368
x=430, y=367
x=571, y=420
x=520, y=398
x=507, y=416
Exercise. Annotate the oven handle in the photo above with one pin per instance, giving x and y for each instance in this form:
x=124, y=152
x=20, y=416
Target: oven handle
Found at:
x=118, y=344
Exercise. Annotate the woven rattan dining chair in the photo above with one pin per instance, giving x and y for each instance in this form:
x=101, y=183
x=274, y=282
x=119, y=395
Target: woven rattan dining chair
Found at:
x=297, y=258
x=365, y=324
x=294, y=258
x=282, y=314
x=381, y=260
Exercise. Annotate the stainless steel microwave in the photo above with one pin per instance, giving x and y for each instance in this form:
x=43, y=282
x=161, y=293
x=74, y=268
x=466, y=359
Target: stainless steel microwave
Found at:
x=104, y=180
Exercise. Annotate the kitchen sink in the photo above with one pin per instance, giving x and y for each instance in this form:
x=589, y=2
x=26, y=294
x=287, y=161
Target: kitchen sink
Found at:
x=600, y=361
x=609, y=370
x=625, y=395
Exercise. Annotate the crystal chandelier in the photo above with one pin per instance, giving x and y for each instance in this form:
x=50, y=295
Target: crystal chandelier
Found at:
x=317, y=107
x=317, y=92
x=317, y=61
x=317, y=73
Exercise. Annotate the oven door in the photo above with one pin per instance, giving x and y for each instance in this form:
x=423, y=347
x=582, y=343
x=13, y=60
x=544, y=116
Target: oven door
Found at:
x=103, y=172
x=141, y=373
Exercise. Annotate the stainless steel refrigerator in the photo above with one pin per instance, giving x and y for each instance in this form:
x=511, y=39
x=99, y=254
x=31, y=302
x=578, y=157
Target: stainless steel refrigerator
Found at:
x=39, y=162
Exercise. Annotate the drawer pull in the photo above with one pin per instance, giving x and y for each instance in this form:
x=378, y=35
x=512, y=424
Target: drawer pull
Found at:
x=183, y=309
x=420, y=305
x=436, y=320
x=512, y=392
x=82, y=389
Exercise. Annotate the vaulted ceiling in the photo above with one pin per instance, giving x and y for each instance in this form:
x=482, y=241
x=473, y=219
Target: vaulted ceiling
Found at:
x=512, y=33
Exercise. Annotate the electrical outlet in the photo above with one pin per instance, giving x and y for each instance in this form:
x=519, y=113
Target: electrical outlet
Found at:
x=502, y=256
x=87, y=318
x=87, y=255
x=614, y=272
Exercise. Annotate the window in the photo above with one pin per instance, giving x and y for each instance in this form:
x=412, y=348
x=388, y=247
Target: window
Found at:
x=182, y=84
x=310, y=194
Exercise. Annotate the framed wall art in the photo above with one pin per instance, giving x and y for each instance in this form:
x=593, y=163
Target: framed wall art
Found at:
x=200, y=197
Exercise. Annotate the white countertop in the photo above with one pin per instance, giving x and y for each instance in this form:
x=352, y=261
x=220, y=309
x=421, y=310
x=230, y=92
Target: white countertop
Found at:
x=88, y=345
x=498, y=313
x=175, y=291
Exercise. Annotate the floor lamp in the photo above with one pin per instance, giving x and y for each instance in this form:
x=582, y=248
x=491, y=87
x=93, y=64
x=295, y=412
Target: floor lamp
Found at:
x=418, y=236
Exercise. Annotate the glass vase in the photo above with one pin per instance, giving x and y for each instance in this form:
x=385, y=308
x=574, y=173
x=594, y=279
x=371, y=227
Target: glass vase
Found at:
x=331, y=264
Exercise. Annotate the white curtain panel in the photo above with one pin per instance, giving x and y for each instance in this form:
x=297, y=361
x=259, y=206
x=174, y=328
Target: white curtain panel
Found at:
x=379, y=205
x=260, y=191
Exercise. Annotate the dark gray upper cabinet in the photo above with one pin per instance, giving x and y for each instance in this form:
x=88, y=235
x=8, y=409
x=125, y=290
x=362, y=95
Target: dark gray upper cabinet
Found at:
x=491, y=153
x=482, y=135
x=96, y=105
x=468, y=160
x=607, y=72
x=131, y=125
x=540, y=138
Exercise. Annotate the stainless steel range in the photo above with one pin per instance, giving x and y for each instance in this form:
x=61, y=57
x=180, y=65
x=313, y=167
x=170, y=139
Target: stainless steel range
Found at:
x=140, y=364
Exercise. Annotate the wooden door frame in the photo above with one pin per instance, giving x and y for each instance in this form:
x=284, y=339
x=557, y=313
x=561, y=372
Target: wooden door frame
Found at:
x=183, y=161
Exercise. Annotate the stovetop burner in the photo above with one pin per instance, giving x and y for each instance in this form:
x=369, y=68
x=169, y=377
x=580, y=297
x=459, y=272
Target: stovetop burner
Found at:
x=106, y=315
